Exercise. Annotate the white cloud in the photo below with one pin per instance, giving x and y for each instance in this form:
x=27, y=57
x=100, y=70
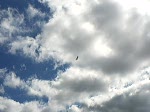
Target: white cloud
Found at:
x=9, y=105
x=33, y=106
x=129, y=101
x=2, y=91
x=39, y=88
x=74, y=108
x=28, y=46
x=11, y=22
x=3, y=72
x=11, y=80
x=141, y=6
x=74, y=85
x=112, y=45
x=86, y=87
x=32, y=12
x=65, y=91
x=71, y=86
x=101, y=34
x=126, y=95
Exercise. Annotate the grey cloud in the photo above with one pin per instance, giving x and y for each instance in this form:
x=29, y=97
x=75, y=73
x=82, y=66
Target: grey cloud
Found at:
x=78, y=44
x=116, y=65
x=107, y=18
x=125, y=103
x=134, y=100
x=90, y=85
x=105, y=15
x=128, y=39
x=74, y=85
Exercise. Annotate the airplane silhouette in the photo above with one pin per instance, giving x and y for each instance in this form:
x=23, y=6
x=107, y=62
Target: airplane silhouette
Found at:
x=77, y=58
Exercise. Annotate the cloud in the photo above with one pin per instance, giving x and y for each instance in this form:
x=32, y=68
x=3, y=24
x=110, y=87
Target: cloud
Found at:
x=2, y=91
x=80, y=81
x=28, y=46
x=125, y=96
x=125, y=102
x=15, y=24
x=33, y=12
x=11, y=80
x=39, y=88
x=112, y=44
x=71, y=86
x=134, y=103
x=10, y=22
x=74, y=85
x=64, y=90
x=102, y=34
x=74, y=108
x=2, y=72
x=8, y=105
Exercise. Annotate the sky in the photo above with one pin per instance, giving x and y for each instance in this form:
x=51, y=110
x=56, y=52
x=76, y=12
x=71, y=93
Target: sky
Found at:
x=39, y=43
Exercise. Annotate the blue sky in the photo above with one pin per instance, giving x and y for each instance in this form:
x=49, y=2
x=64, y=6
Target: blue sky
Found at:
x=20, y=7
x=39, y=43
x=23, y=66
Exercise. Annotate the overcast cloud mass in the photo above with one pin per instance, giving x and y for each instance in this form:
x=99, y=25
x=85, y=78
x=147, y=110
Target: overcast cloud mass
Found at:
x=39, y=43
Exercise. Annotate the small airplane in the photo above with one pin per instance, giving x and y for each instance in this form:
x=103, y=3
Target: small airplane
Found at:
x=77, y=58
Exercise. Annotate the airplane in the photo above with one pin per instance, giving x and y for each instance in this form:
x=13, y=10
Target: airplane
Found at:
x=77, y=58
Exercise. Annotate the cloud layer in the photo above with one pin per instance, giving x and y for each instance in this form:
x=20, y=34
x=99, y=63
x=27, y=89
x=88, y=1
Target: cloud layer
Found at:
x=113, y=47
x=110, y=39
